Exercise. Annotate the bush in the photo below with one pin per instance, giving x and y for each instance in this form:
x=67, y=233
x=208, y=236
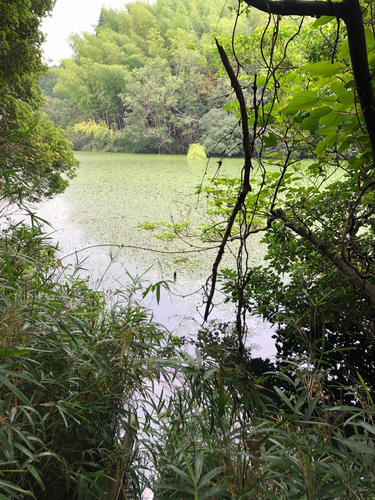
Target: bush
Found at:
x=72, y=370
x=196, y=152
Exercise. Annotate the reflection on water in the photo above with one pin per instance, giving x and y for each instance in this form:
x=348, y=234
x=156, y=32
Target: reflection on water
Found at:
x=110, y=196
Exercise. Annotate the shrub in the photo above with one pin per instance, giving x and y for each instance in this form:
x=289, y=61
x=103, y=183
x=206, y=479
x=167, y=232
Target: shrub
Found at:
x=196, y=152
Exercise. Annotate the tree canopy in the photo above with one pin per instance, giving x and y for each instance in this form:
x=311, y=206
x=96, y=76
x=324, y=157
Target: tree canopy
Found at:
x=32, y=150
x=147, y=75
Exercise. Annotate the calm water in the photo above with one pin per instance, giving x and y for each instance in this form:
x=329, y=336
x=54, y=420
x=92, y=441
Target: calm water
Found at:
x=110, y=196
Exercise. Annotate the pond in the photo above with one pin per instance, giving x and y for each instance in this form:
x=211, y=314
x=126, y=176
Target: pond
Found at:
x=96, y=223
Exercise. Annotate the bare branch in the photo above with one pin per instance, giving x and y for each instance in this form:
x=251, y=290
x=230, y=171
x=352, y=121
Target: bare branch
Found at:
x=245, y=188
x=329, y=253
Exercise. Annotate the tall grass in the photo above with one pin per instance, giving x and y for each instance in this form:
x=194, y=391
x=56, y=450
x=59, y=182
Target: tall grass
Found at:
x=96, y=402
x=72, y=370
x=221, y=434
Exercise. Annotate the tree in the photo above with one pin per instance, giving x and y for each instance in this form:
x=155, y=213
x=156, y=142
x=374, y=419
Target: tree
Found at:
x=355, y=261
x=37, y=164
x=221, y=134
x=113, y=61
x=162, y=111
x=317, y=215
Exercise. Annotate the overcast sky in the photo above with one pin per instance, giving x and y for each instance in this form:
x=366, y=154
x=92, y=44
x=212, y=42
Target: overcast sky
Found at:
x=71, y=16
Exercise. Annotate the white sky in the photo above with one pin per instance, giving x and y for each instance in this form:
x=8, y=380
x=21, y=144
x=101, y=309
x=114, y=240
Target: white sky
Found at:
x=71, y=16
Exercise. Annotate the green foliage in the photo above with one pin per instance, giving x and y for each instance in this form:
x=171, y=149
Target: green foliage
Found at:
x=191, y=432
x=311, y=111
x=75, y=365
x=316, y=451
x=304, y=431
x=71, y=367
x=322, y=318
x=288, y=441
x=24, y=147
x=196, y=152
x=221, y=195
x=98, y=133
x=47, y=82
x=62, y=113
x=325, y=46
x=138, y=75
x=221, y=133
x=75, y=370
x=159, y=108
x=38, y=155
x=20, y=51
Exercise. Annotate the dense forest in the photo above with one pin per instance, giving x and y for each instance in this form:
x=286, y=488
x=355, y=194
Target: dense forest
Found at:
x=150, y=80
x=96, y=400
x=146, y=81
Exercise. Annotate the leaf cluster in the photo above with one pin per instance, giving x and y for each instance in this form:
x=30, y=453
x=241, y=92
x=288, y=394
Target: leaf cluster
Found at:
x=29, y=144
x=72, y=370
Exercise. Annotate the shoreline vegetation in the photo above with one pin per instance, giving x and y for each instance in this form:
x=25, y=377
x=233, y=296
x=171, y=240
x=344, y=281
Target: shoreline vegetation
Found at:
x=97, y=401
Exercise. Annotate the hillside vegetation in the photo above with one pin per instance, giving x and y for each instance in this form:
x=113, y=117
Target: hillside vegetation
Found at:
x=146, y=81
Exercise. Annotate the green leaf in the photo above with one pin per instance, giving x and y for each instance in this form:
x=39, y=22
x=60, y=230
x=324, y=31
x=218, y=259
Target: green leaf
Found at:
x=14, y=389
x=322, y=20
x=283, y=397
x=3, y=497
x=210, y=475
x=181, y=473
x=311, y=407
x=4, y=440
x=365, y=388
x=320, y=148
x=198, y=466
x=343, y=96
x=177, y=486
x=24, y=450
x=8, y=486
x=324, y=68
x=350, y=84
x=12, y=351
x=270, y=140
x=272, y=496
x=188, y=464
x=311, y=124
x=332, y=119
x=219, y=489
x=209, y=373
x=301, y=101
x=359, y=446
x=302, y=399
x=367, y=426
x=321, y=111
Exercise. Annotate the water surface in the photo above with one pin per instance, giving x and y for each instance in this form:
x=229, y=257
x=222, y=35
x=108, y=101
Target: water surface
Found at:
x=104, y=204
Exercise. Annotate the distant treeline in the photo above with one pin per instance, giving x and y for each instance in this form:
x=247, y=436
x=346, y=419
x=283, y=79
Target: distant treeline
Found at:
x=147, y=81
